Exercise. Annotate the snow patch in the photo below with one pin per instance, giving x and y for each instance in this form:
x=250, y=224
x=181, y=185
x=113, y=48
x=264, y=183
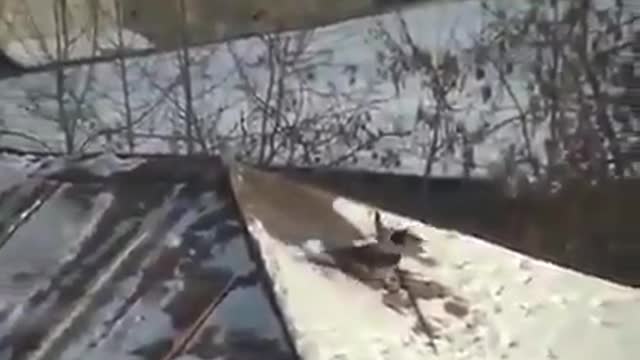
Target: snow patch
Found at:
x=14, y=170
x=333, y=316
x=477, y=300
x=519, y=307
x=104, y=165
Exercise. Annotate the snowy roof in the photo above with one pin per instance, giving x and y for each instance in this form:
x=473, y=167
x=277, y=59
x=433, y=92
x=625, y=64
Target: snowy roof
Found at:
x=107, y=258
x=466, y=298
x=168, y=257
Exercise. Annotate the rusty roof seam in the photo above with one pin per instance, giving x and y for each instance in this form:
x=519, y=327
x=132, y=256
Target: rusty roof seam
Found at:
x=186, y=341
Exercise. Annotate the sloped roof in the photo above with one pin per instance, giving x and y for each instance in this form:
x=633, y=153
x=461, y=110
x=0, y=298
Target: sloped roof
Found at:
x=185, y=258
x=129, y=264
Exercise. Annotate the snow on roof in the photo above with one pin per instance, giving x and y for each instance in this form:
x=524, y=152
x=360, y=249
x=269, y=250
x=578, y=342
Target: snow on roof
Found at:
x=466, y=298
x=111, y=257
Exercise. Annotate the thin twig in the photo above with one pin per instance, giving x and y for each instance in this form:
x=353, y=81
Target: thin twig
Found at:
x=426, y=327
x=6, y=132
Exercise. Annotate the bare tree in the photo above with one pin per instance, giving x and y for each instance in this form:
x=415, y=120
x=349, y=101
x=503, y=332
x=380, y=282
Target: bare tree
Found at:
x=124, y=77
x=569, y=53
x=291, y=116
x=185, y=72
x=441, y=80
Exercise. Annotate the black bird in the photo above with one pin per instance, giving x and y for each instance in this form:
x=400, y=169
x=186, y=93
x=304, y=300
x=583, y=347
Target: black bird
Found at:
x=374, y=262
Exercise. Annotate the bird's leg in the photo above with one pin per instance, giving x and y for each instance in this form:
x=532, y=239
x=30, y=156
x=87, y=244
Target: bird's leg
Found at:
x=377, y=221
x=394, y=297
x=391, y=280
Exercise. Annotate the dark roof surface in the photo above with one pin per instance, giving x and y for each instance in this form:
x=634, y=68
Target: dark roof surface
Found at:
x=130, y=265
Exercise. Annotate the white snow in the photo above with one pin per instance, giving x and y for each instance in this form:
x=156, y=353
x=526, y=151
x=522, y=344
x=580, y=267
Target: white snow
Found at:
x=519, y=308
x=332, y=316
x=14, y=170
x=522, y=299
x=103, y=165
